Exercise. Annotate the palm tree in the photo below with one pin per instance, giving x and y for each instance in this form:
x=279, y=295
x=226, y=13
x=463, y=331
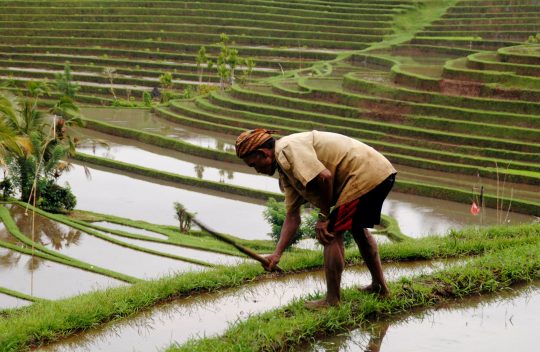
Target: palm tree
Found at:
x=11, y=142
x=41, y=160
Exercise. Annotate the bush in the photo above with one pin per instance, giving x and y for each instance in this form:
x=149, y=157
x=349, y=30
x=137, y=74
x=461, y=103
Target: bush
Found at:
x=275, y=215
x=55, y=198
x=6, y=186
x=204, y=89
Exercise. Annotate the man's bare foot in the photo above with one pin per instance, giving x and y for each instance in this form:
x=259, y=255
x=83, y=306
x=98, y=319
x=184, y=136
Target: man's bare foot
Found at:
x=319, y=304
x=379, y=290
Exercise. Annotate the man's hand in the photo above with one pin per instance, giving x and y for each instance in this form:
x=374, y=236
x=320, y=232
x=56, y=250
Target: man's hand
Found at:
x=323, y=235
x=272, y=261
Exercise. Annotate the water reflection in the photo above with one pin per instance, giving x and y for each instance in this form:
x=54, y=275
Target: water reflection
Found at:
x=212, y=313
x=46, y=232
x=421, y=216
x=498, y=322
x=48, y=279
x=163, y=160
x=93, y=250
x=144, y=120
x=139, y=199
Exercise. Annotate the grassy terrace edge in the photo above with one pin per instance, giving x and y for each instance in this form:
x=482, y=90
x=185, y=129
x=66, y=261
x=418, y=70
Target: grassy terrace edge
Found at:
x=288, y=326
x=47, y=321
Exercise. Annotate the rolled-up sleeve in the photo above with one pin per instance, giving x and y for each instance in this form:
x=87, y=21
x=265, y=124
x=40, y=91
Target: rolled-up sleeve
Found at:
x=293, y=199
x=303, y=161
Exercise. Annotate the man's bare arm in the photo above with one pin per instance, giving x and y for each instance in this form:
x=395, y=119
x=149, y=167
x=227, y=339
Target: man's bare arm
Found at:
x=289, y=229
x=323, y=183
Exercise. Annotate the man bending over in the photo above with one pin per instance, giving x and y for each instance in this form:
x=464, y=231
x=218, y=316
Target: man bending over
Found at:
x=346, y=179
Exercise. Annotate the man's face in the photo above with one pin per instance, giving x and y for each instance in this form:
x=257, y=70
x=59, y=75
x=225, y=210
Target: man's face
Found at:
x=263, y=162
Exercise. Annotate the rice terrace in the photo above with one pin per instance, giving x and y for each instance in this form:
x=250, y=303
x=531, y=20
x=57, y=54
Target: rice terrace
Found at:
x=131, y=222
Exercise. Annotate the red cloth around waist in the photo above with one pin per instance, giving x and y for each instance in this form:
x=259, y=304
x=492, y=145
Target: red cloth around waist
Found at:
x=341, y=218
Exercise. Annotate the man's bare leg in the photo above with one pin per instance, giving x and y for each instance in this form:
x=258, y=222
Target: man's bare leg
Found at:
x=370, y=253
x=334, y=262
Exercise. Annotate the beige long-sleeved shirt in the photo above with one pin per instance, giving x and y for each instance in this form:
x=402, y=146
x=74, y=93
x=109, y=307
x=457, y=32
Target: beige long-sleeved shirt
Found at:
x=356, y=167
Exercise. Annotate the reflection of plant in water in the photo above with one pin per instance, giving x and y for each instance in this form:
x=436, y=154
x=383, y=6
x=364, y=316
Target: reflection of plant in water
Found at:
x=230, y=174
x=50, y=232
x=221, y=175
x=199, y=170
x=10, y=259
x=34, y=263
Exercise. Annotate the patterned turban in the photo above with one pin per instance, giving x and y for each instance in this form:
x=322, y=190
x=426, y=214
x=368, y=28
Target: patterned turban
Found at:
x=251, y=140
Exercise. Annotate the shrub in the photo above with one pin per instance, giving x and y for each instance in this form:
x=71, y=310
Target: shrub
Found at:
x=275, y=214
x=55, y=198
x=7, y=188
x=184, y=217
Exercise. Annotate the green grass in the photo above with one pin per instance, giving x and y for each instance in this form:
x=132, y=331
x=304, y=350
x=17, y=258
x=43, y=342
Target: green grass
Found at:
x=51, y=320
x=287, y=327
x=406, y=25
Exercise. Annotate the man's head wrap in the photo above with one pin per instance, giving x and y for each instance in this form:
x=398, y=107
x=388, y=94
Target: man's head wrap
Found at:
x=251, y=140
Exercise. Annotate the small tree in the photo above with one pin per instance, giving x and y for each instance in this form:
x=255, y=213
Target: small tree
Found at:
x=110, y=73
x=166, y=80
x=248, y=70
x=200, y=60
x=533, y=39
x=64, y=82
x=184, y=217
x=223, y=72
x=147, y=99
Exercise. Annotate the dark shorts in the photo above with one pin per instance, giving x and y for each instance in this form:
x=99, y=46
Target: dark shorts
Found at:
x=364, y=212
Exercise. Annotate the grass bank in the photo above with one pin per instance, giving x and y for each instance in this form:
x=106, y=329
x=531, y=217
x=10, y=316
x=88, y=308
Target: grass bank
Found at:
x=286, y=327
x=52, y=320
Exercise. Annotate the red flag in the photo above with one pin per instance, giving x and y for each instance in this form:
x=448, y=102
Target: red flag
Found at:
x=475, y=209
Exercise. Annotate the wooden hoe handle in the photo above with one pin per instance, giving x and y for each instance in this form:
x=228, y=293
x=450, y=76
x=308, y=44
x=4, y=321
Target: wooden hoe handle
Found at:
x=241, y=248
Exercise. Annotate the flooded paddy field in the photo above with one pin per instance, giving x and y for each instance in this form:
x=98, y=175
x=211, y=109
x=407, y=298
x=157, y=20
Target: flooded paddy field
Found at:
x=500, y=322
x=135, y=198
x=8, y=302
x=209, y=257
x=129, y=151
x=417, y=216
x=209, y=314
x=96, y=251
x=34, y=276
x=146, y=121
x=132, y=230
x=144, y=199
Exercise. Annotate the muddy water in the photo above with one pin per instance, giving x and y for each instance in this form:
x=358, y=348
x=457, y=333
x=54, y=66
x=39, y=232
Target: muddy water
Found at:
x=144, y=120
x=124, y=150
x=205, y=256
x=210, y=314
x=503, y=322
x=93, y=250
x=7, y=302
x=46, y=279
x=142, y=199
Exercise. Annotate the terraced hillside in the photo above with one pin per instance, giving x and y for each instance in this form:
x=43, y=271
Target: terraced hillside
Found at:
x=141, y=40
x=447, y=89
x=447, y=86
